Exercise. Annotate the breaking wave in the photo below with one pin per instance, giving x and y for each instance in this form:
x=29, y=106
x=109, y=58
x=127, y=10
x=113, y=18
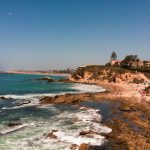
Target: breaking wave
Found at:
x=79, y=88
x=66, y=125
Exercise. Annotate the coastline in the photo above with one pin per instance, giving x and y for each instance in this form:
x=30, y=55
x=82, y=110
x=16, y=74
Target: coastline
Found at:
x=113, y=91
x=129, y=121
x=128, y=116
x=35, y=73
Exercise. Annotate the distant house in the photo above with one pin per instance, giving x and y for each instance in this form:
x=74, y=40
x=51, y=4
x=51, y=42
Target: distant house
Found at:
x=84, y=66
x=115, y=62
x=146, y=64
x=140, y=64
x=81, y=67
x=132, y=64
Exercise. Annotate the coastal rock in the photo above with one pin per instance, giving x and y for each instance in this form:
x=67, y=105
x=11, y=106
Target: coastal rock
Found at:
x=63, y=80
x=64, y=99
x=13, y=129
x=125, y=108
x=87, y=132
x=51, y=135
x=23, y=102
x=12, y=124
x=45, y=79
x=47, y=99
x=74, y=147
x=3, y=98
x=84, y=146
x=102, y=74
x=76, y=98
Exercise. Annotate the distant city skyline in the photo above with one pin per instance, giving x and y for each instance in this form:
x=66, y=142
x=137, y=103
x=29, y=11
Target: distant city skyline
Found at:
x=60, y=34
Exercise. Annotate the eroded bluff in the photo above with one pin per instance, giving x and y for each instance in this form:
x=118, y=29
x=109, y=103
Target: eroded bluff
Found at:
x=92, y=74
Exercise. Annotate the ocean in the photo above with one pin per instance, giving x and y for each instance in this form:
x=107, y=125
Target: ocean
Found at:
x=35, y=121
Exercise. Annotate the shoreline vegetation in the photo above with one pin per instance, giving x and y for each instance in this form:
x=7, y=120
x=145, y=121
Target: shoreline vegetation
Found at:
x=130, y=120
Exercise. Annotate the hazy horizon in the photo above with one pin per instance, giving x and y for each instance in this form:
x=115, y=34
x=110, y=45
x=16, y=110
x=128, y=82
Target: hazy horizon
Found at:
x=43, y=35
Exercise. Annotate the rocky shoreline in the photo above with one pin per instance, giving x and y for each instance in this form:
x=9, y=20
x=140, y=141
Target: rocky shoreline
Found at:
x=126, y=112
x=130, y=121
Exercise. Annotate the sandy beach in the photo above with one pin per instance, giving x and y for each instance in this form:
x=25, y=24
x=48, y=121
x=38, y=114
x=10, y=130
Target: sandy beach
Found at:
x=128, y=90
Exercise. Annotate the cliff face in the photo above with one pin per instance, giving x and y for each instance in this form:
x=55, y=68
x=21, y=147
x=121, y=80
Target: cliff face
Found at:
x=107, y=75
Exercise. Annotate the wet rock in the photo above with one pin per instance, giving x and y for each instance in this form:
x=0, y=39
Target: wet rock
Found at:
x=12, y=124
x=84, y=146
x=127, y=108
x=133, y=108
x=51, y=135
x=63, y=80
x=87, y=132
x=76, y=101
x=111, y=145
x=74, y=147
x=55, y=130
x=47, y=99
x=3, y=98
x=56, y=96
x=45, y=79
x=23, y=102
x=124, y=108
x=13, y=128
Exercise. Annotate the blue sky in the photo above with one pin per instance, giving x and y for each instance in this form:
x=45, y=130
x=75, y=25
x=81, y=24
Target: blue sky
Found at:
x=57, y=34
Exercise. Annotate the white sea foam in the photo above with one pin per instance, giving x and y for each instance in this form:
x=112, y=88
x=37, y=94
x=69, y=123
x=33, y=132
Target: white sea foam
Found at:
x=87, y=88
x=68, y=124
x=12, y=129
x=81, y=88
x=76, y=139
x=28, y=96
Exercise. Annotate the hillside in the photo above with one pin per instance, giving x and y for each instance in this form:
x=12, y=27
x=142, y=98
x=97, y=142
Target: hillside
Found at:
x=106, y=74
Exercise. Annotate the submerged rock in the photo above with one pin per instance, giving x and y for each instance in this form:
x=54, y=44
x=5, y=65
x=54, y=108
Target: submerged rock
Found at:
x=23, y=102
x=51, y=135
x=87, y=132
x=12, y=124
x=63, y=80
x=45, y=79
x=125, y=108
x=12, y=129
x=3, y=98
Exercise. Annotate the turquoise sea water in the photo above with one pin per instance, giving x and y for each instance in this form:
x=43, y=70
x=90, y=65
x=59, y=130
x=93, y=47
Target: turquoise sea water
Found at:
x=37, y=121
x=25, y=84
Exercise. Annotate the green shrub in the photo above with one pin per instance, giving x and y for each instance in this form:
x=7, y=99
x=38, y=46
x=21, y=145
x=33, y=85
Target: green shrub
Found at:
x=147, y=89
x=137, y=81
